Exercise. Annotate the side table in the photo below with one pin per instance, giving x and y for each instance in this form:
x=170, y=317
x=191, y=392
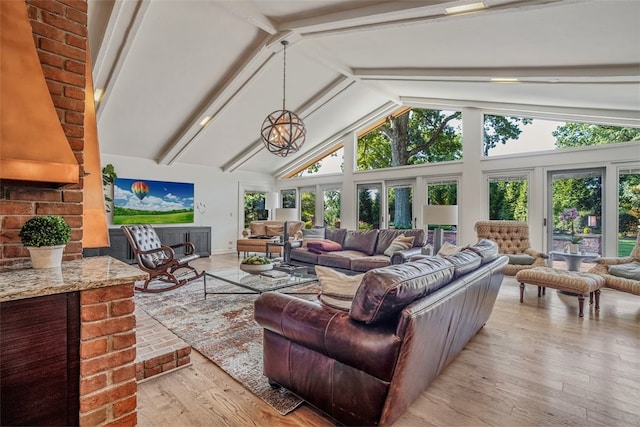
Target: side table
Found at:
x=574, y=260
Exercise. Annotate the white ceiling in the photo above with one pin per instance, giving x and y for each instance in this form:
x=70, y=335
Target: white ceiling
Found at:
x=166, y=64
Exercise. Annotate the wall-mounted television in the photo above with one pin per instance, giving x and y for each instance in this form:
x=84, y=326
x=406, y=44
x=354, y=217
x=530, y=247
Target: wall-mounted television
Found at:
x=143, y=201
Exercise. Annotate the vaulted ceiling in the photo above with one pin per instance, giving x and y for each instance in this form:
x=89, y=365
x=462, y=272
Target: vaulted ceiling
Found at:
x=165, y=65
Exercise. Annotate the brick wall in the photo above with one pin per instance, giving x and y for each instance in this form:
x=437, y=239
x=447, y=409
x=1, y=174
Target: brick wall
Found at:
x=108, y=383
x=107, y=349
x=60, y=34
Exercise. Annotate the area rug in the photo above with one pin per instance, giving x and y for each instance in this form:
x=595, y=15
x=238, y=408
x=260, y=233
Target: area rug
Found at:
x=222, y=329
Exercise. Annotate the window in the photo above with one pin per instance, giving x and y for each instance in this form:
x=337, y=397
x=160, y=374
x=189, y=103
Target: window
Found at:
x=288, y=198
x=308, y=206
x=513, y=135
x=369, y=210
x=331, y=163
x=400, y=206
x=442, y=192
x=508, y=197
x=628, y=209
x=331, y=207
x=255, y=207
x=419, y=136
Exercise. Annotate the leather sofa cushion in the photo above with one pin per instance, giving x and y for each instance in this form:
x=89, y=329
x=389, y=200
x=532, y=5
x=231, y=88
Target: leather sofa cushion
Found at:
x=487, y=249
x=367, y=263
x=361, y=240
x=384, y=292
x=463, y=262
x=335, y=234
x=338, y=259
x=303, y=255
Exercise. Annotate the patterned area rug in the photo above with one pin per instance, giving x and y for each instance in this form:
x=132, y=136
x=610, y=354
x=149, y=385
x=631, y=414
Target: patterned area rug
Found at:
x=223, y=330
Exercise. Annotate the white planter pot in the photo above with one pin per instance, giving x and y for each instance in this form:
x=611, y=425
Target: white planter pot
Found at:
x=46, y=256
x=573, y=248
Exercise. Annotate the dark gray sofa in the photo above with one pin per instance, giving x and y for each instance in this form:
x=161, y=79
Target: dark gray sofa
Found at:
x=362, y=250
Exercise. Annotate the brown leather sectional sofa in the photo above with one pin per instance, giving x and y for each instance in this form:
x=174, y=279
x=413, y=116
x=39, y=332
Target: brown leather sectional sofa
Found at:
x=407, y=322
x=361, y=251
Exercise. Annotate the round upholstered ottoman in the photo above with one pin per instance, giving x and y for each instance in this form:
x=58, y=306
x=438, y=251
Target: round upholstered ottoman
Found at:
x=568, y=281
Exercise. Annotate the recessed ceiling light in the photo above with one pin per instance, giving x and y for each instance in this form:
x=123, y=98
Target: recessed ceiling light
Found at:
x=470, y=7
x=97, y=95
x=205, y=120
x=504, y=79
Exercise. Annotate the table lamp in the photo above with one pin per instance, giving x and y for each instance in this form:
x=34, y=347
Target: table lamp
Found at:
x=439, y=215
x=286, y=215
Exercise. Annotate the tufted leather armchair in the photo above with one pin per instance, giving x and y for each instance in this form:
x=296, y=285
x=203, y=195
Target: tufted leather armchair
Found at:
x=512, y=238
x=615, y=282
x=160, y=261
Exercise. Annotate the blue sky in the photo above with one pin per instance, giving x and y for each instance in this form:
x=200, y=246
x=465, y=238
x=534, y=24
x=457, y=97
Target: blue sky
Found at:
x=162, y=195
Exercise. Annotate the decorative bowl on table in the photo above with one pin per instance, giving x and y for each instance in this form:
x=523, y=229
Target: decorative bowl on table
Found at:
x=256, y=264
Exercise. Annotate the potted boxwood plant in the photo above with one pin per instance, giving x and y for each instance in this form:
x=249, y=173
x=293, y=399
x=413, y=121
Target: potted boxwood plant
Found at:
x=45, y=237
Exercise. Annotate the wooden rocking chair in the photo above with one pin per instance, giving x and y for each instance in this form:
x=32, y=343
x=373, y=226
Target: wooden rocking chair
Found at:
x=160, y=261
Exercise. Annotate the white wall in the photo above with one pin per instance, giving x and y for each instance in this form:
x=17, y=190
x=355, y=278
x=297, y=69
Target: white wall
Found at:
x=218, y=190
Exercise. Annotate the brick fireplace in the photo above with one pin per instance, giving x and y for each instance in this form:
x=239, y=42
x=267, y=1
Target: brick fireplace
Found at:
x=107, y=332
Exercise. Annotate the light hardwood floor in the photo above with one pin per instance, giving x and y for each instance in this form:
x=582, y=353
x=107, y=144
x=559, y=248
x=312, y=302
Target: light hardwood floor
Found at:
x=533, y=364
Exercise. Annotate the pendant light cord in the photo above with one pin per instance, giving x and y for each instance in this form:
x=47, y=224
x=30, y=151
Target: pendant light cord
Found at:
x=284, y=73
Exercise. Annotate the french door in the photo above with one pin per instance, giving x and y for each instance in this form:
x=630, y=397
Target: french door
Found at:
x=574, y=212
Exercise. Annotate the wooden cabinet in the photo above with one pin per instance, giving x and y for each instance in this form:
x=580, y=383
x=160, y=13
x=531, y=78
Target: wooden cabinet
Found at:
x=39, y=360
x=120, y=249
x=201, y=239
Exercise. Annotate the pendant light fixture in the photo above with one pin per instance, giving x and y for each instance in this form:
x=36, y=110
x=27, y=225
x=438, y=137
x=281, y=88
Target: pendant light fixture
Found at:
x=283, y=132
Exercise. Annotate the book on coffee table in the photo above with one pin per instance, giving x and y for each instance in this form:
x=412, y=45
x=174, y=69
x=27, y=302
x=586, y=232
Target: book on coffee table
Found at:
x=274, y=274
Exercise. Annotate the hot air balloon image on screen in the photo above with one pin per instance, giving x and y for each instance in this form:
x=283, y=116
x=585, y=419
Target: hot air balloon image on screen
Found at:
x=140, y=189
x=137, y=201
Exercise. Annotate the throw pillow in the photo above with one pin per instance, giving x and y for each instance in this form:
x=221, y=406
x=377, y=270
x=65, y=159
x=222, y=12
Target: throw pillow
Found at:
x=313, y=232
x=520, y=259
x=400, y=243
x=257, y=229
x=449, y=249
x=274, y=230
x=630, y=270
x=337, y=289
x=322, y=246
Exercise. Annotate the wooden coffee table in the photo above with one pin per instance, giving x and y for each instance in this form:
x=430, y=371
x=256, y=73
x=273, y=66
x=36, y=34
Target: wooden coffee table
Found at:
x=256, y=283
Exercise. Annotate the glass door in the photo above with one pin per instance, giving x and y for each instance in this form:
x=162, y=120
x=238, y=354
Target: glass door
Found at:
x=628, y=209
x=400, y=206
x=574, y=217
x=369, y=210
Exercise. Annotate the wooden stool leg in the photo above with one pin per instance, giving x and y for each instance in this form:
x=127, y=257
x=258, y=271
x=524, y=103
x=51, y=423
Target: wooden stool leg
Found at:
x=590, y=298
x=539, y=291
x=597, y=299
x=521, y=292
x=544, y=290
x=581, y=305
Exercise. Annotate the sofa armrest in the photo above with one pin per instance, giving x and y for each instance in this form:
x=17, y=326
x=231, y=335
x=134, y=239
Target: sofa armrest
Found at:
x=535, y=254
x=400, y=257
x=615, y=260
x=370, y=348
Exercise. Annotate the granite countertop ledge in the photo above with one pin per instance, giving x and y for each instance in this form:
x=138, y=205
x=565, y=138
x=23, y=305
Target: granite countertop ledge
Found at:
x=78, y=275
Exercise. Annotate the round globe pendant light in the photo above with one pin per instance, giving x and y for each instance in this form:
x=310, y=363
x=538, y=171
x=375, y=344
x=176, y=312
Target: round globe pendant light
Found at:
x=283, y=132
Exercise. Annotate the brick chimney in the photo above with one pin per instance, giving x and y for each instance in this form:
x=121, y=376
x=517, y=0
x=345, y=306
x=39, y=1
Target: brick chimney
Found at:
x=60, y=35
